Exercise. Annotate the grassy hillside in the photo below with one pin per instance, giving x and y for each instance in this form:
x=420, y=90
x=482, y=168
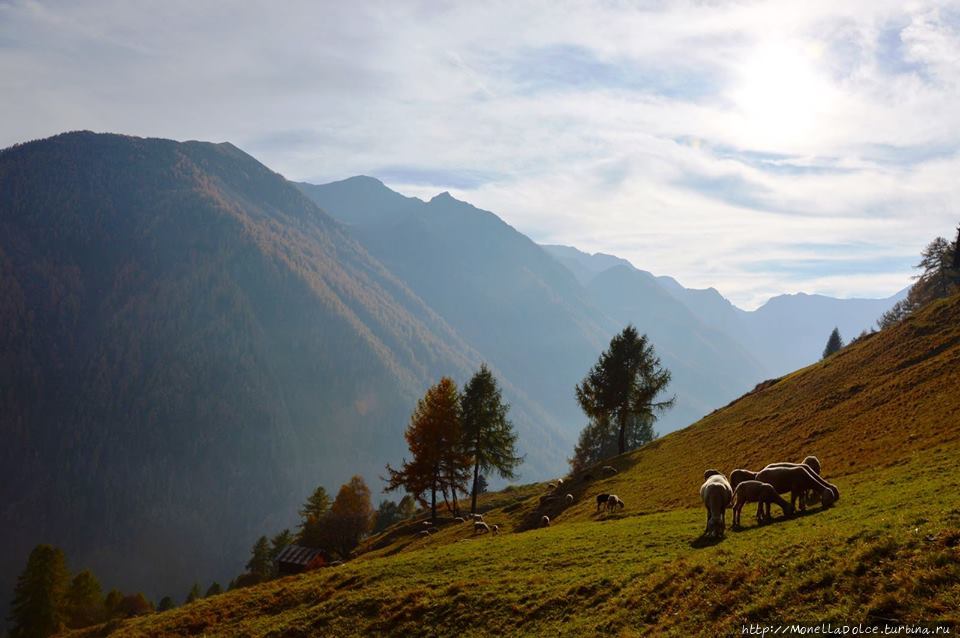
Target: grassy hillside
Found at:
x=884, y=418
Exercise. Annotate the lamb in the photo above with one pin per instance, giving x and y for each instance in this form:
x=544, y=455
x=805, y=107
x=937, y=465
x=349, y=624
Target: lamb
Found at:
x=609, y=469
x=480, y=526
x=545, y=521
x=760, y=493
x=613, y=501
x=569, y=498
x=738, y=476
x=715, y=494
x=602, y=500
x=797, y=479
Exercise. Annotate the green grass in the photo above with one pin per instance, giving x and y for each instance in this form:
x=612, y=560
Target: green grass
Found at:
x=889, y=549
x=882, y=415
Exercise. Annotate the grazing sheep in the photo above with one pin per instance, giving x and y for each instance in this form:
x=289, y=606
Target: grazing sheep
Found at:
x=460, y=519
x=739, y=476
x=496, y=530
x=711, y=472
x=609, y=469
x=760, y=493
x=559, y=482
x=813, y=463
x=423, y=532
x=797, y=480
x=613, y=501
x=568, y=498
x=545, y=521
x=551, y=486
x=716, y=494
x=477, y=517
x=602, y=500
x=427, y=523
x=480, y=526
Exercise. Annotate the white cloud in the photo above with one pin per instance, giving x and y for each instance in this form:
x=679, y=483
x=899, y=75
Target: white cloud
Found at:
x=705, y=142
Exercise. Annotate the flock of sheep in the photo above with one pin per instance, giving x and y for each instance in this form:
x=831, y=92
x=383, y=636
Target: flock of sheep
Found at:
x=764, y=488
x=802, y=480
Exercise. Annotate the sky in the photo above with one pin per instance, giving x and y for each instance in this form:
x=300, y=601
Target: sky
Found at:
x=759, y=148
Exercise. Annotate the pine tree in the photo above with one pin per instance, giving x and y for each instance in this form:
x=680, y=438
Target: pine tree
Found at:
x=351, y=516
x=166, y=604
x=622, y=387
x=277, y=544
x=259, y=564
x=834, y=343
x=488, y=435
x=316, y=506
x=213, y=590
x=193, y=594
x=84, y=600
x=407, y=507
x=434, y=439
x=38, y=598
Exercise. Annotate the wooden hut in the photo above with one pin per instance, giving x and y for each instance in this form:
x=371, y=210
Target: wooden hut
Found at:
x=295, y=559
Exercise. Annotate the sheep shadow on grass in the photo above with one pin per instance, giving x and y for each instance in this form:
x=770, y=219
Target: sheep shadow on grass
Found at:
x=777, y=520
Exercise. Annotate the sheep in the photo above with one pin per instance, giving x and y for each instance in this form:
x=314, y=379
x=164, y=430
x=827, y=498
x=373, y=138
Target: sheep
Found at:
x=477, y=517
x=711, y=472
x=760, y=493
x=427, y=523
x=602, y=500
x=613, y=501
x=480, y=526
x=545, y=521
x=460, y=519
x=569, y=498
x=495, y=529
x=609, y=469
x=797, y=480
x=551, y=487
x=559, y=482
x=716, y=495
x=423, y=532
x=738, y=476
x=811, y=462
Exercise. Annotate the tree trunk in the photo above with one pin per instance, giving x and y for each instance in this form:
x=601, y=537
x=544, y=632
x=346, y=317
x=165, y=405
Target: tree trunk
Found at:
x=622, y=443
x=476, y=478
x=433, y=500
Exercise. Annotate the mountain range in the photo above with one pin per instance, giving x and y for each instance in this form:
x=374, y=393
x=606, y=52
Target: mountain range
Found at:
x=189, y=343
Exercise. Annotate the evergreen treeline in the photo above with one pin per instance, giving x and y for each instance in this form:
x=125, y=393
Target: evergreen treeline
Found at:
x=939, y=277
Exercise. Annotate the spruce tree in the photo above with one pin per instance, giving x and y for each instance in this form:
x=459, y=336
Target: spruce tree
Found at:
x=259, y=564
x=193, y=594
x=38, y=598
x=84, y=600
x=834, y=343
x=213, y=590
x=166, y=604
x=488, y=435
x=622, y=387
x=317, y=505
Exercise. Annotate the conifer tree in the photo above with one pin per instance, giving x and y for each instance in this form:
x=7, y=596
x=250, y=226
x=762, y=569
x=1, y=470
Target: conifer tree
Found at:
x=213, y=590
x=622, y=387
x=84, y=600
x=38, y=598
x=834, y=343
x=259, y=564
x=434, y=439
x=166, y=604
x=489, y=437
x=193, y=594
x=316, y=507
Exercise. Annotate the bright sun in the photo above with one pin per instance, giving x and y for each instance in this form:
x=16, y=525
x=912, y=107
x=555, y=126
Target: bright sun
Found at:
x=780, y=96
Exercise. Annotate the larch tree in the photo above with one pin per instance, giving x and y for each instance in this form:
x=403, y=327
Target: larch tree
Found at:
x=84, y=600
x=351, y=516
x=834, y=344
x=488, y=436
x=621, y=389
x=434, y=439
x=38, y=597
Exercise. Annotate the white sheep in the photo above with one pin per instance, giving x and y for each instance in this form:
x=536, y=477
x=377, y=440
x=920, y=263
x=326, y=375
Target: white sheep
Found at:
x=496, y=530
x=545, y=521
x=459, y=519
x=613, y=501
x=609, y=469
x=569, y=498
x=477, y=517
x=716, y=496
x=480, y=526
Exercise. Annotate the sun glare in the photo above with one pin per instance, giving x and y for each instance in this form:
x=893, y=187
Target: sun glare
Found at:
x=780, y=96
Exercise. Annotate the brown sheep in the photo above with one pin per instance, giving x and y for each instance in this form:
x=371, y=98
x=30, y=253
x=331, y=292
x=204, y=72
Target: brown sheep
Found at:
x=797, y=480
x=738, y=476
x=613, y=502
x=760, y=493
x=715, y=494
